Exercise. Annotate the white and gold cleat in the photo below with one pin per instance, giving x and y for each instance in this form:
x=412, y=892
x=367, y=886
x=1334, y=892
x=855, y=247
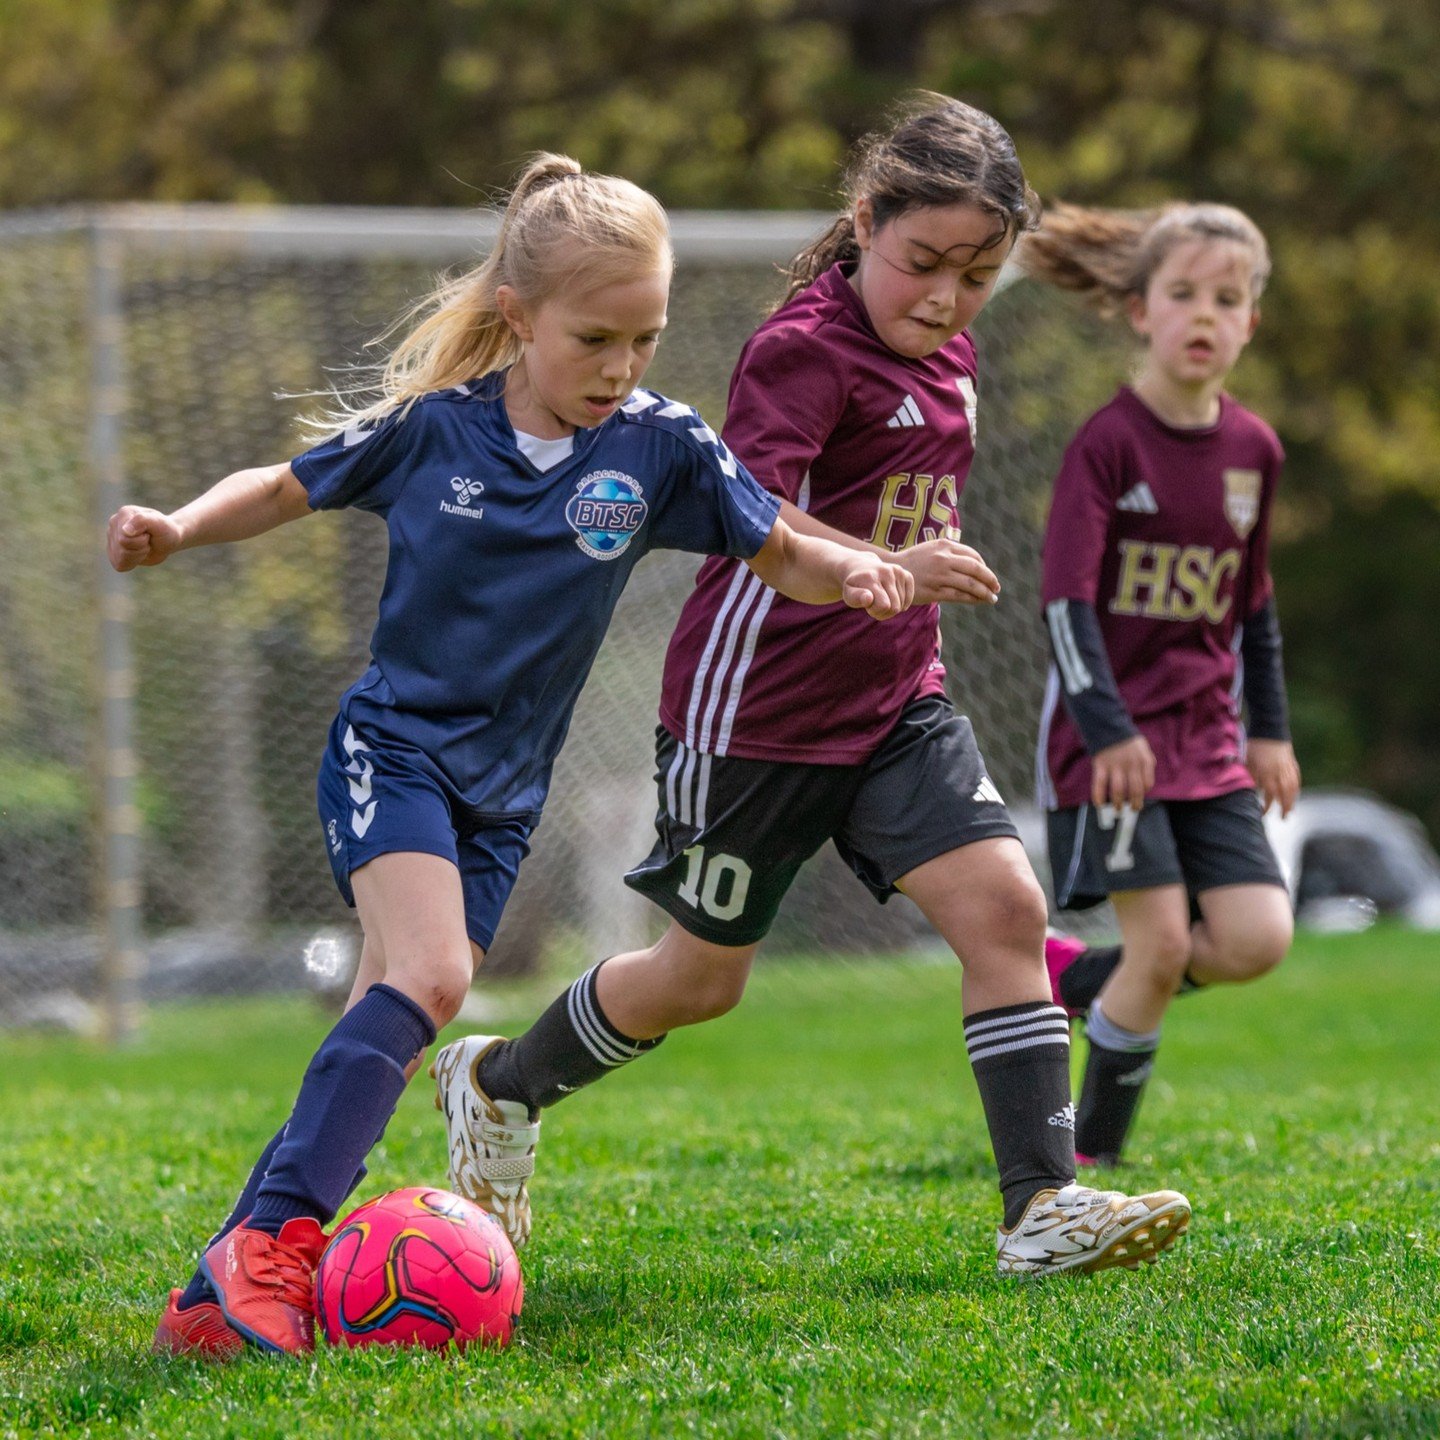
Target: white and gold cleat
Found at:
x=491, y=1142
x=1081, y=1229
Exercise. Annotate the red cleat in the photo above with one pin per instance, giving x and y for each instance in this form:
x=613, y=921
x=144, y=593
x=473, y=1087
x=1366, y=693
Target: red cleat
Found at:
x=1061, y=952
x=201, y=1331
x=266, y=1283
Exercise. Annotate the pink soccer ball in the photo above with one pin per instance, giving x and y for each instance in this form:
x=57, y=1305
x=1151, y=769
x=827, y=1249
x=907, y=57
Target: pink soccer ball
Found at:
x=419, y=1267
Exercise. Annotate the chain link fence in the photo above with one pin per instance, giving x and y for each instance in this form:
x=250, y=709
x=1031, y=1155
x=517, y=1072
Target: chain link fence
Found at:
x=160, y=731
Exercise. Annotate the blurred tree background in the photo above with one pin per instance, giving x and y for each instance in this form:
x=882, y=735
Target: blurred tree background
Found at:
x=1322, y=120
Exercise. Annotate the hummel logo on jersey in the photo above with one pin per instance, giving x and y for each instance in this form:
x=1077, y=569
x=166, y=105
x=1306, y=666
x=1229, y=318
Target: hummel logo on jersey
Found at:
x=1138, y=500
x=465, y=491
x=1063, y=1119
x=987, y=793
x=907, y=415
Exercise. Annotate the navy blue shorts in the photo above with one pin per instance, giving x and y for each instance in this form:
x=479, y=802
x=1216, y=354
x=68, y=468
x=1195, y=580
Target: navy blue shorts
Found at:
x=732, y=834
x=1200, y=844
x=376, y=799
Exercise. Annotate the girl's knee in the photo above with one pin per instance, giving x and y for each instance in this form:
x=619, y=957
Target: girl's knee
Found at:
x=717, y=995
x=1167, y=955
x=1261, y=950
x=441, y=990
x=1017, y=913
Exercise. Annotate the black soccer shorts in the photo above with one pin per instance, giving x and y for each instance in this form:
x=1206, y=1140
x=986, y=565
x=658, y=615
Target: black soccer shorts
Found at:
x=732, y=834
x=1200, y=844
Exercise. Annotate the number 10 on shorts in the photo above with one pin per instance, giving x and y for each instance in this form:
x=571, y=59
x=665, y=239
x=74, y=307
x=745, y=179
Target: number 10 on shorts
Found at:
x=716, y=884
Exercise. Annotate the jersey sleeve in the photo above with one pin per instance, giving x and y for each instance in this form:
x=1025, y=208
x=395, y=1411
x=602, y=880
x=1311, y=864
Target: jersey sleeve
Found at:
x=786, y=398
x=363, y=466
x=1080, y=513
x=716, y=506
x=1263, y=676
x=1262, y=586
x=1091, y=695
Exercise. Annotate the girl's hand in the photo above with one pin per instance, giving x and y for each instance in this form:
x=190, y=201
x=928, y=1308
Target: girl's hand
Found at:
x=947, y=572
x=875, y=586
x=137, y=536
x=1276, y=772
x=1123, y=774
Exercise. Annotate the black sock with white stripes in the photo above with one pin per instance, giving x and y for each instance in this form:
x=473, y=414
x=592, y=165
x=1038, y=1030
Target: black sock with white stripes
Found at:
x=570, y=1046
x=1021, y=1058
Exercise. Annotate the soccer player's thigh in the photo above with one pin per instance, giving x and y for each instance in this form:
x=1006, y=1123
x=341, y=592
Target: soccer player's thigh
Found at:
x=928, y=821
x=1246, y=918
x=731, y=835
x=393, y=851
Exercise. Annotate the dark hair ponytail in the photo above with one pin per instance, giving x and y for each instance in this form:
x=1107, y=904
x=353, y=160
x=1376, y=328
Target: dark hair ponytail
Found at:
x=936, y=151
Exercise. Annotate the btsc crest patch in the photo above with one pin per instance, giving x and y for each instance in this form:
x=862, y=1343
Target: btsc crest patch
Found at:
x=605, y=512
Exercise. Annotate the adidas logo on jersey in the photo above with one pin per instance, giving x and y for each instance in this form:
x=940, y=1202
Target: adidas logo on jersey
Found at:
x=1139, y=500
x=1063, y=1119
x=987, y=793
x=906, y=416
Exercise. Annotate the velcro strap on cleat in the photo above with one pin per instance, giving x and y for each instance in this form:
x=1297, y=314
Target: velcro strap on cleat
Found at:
x=521, y=1167
x=511, y=1136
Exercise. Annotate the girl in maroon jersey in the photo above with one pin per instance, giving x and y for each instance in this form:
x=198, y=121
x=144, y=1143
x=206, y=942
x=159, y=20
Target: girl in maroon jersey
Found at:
x=1161, y=614
x=855, y=403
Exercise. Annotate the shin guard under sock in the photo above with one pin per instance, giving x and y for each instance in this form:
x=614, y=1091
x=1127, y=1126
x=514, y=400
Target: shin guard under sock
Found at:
x=349, y=1092
x=1116, y=1069
x=1021, y=1058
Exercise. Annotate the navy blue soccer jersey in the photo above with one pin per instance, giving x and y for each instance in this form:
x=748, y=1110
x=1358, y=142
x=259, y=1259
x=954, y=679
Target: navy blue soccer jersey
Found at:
x=502, y=578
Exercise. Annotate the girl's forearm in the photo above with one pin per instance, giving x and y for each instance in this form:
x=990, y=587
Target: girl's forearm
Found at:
x=247, y=503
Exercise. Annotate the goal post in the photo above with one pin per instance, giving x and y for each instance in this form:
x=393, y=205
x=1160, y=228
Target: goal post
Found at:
x=160, y=731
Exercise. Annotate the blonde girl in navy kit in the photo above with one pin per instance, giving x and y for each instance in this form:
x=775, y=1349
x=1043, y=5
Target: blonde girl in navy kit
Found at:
x=1161, y=615
x=521, y=476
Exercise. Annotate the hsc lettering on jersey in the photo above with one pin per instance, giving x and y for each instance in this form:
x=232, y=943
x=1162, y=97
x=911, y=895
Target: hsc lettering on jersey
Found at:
x=915, y=508
x=608, y=514
x=1174, y=582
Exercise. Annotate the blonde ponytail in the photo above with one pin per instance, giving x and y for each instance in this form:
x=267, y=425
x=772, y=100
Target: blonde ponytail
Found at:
x=560, y=228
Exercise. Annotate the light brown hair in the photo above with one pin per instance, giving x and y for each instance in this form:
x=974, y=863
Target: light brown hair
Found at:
x=1106, y=256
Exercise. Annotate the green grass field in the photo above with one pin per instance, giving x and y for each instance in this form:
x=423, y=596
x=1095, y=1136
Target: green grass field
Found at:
x=781, y=1225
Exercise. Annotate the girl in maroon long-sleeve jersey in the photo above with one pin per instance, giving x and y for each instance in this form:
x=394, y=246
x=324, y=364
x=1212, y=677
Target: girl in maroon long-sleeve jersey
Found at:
x=1161, y=616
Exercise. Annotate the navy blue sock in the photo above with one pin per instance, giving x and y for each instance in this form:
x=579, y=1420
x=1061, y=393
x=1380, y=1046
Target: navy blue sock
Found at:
x=349, y=1093
x=199, y=1290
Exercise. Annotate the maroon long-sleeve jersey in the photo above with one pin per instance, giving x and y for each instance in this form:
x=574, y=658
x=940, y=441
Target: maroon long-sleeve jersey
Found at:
x=1165, y=531
x=872, y=443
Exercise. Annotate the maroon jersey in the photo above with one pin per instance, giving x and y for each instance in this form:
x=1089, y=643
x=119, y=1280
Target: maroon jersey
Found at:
x=1165, y=531
x=874, y=444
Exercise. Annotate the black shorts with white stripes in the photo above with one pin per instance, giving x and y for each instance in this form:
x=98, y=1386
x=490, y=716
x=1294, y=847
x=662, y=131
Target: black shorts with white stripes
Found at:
x=1200, y=844
x=733, y=833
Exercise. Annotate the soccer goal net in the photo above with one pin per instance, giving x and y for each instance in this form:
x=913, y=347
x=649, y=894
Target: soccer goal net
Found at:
x=159, y=732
